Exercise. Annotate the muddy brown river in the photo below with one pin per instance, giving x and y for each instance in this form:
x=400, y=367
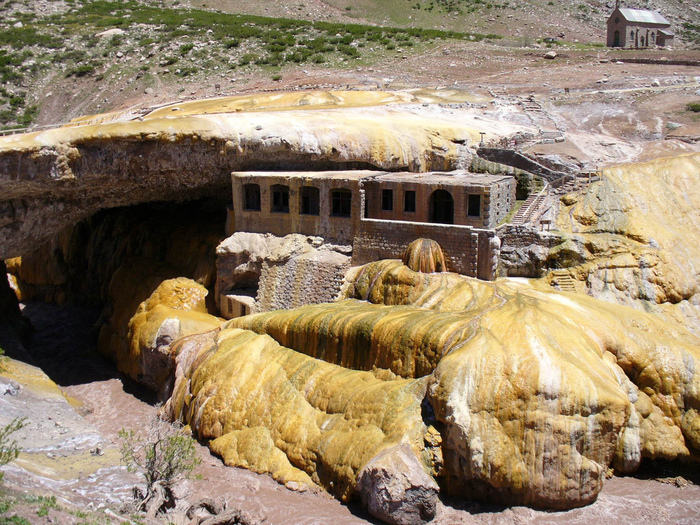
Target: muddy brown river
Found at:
x=63, y=346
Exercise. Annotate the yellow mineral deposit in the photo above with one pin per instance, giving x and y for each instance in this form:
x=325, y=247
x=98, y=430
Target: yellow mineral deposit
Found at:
x=507, y=391
x=425, y=255
x=292, y=121
x=176, y=309
x=255, y=398
x=638, y=231
x=536, y=393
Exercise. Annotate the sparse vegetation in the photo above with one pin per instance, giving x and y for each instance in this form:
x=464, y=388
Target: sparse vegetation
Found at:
x=240, y=39
x=15, y=509
x=694, y=107
x=691, y=32
x=9, y=449
x=165, y=456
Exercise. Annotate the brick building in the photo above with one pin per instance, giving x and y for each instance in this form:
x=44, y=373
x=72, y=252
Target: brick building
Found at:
x=379, y=213
x=638, y=28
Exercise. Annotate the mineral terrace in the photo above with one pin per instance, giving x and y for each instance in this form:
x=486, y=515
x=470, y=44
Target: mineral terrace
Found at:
x=391, y=349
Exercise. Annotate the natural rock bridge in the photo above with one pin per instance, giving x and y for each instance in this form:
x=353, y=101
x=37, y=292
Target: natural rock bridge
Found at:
x=52, y=179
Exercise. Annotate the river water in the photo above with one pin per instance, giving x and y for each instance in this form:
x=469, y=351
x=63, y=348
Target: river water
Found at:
x=64, y=347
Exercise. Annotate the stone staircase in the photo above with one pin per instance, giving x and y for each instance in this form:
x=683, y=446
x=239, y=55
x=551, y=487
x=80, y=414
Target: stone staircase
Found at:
x=563, y=279
x=529, y=208
x=581, y=180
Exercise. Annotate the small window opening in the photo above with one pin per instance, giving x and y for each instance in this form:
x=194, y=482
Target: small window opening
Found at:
x=280, y=198
x=341, y=202
x=409, y=201
x=251, y=197
x=309, y=200
x=474, y=206
x=388, y=200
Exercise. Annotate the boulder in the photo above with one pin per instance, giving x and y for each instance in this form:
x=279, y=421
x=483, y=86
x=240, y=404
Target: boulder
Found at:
x=395, y=488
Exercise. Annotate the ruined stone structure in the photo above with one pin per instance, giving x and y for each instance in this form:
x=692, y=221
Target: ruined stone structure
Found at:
x=379, y=213
x=637, y=28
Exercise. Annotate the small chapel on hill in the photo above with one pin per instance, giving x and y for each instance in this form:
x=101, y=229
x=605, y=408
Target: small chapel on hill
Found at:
x=638, y=28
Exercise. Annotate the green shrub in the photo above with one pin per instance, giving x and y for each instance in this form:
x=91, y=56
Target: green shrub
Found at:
x=81, y=71
x=694, y=107
x=248, y=58
x=46, y=503
x=116, y=40
x=186, y=48
x=9, y=449
x=165, y=456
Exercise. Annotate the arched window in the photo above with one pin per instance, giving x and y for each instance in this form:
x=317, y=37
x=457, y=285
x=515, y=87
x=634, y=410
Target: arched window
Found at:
x=631, y=34
x=441, y=207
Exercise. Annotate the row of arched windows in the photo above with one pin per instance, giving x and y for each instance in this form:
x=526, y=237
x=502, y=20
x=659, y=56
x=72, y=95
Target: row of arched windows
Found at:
x=642, y=39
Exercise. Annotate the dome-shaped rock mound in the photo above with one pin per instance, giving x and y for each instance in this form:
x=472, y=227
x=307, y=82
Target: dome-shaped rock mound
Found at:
x=425, y=255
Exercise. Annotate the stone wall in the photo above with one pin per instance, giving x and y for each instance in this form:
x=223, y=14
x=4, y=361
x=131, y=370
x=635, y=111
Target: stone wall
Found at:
x=323, y=223
x=310, y=278
x=380, y=239
x=525, y=251
x=279, y=272
x=520, y=161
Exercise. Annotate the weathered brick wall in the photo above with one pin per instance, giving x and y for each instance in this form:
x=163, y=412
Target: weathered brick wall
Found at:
x=307, y=279
x=380, y=239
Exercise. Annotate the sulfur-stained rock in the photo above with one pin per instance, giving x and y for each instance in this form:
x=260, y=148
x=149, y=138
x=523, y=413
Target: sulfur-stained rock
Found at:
x=535, y=393
x=275, y=410
x=538, y=393
x=396, y=489
x=521, y=395
x=425, y=255
x=175, y=309
x=637, y=232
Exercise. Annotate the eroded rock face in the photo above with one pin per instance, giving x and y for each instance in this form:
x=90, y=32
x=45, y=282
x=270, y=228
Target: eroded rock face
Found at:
x=281, y=272
x=636, y=232
x=535, y=400
x=396, y=489
x=54, y=179
x=174, y=310
x=303, y=420
x=535, y=393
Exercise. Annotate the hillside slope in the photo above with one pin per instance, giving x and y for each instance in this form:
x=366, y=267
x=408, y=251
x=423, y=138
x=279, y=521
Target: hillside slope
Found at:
x=60, y=60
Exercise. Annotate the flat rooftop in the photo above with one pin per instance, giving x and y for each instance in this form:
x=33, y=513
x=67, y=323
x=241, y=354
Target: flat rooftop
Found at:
x=451, y=178
x=329, y=175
